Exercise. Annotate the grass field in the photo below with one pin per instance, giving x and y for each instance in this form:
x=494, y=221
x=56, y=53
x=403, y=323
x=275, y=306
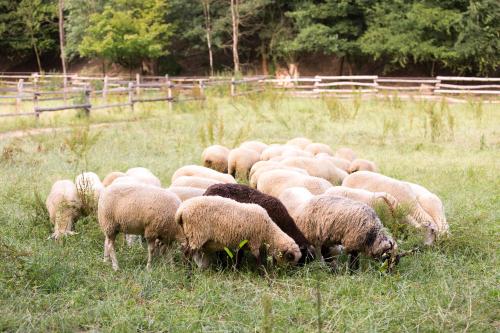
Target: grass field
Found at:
x=454, y=286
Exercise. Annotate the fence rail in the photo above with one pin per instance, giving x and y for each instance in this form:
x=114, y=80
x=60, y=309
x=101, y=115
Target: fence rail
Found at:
x=18, y=88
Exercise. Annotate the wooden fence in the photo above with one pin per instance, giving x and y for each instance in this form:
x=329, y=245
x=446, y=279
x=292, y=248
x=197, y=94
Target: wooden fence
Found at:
x=78, y=92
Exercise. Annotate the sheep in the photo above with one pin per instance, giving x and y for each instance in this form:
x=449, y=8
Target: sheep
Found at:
x=433, y=206
x=211, y=223
x=322, y=169
x=292, y=151
x=215, y=157
x=317, y=147
x=274, y=182
x=63, y=205
x=193, y=181
x=300, y=142
x=372, y=199
x=88, y=185
x=264, y=166
x=328, y=221
x=127, y=180
x=340, y=163
x=403, y=193
x=345, y=153
x=110, y=177
x=138, y=209
x=200, y=171
x=144, y=175
x=272, y=151
x=276, y=210
x=293, y=198
x=240, y=161
x=186, y=192
x=254, y=145
x=362, y=165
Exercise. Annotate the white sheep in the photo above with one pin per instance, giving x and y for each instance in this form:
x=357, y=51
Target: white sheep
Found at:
x=317, y=147
x=63, y=205
x=300, y=142
x=215, y=157
x=316, y=168
x=200, y=171
x=212, y=223
x=362, y=165
x=276, y=181
x=88, y=185
x=194, y=181
x=138, y=209
x=294, y=198
x=144, y=175
x=372, y=199
x=240, y=161
x=254, y=145
x=345, y=153
x=110, y=177
x=273, y=151
x=264, y=166
x=340, y=163
x=186, y=192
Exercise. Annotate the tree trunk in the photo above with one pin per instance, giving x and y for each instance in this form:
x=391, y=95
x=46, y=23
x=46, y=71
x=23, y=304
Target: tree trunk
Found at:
x=263, y=53
x=235, y=16
x=341, y=70
x=61, y=35
x=37, y=55
x=208, y=29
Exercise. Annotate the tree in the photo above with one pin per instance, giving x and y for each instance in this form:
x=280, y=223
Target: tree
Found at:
x=208, y=29
x=235, y=19
x=130, y=33
x=61, y=35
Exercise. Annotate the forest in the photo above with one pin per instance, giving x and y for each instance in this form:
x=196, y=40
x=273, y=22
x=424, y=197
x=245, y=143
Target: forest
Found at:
x=202, y=37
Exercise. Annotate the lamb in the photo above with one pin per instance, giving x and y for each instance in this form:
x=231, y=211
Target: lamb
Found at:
x=340, y=163
x=193, y=181
x=322, y=169
x=433, y=206
x=293, y=198
x=254, y=145
x=300, y=142
x=89, y=185
x=329, y=221
x=240, y=161
x=215, y=157
x=345, y=153
x=211, y=223
x=362, y=165
x=199, y=171
x=63, y=205
x=372, y=199
x=110, y=177
x=317, y=147
x=138, y=209
x=276, y=181
x=276, y=210
x=186, y=192
x=403, y=193
x=144, y=175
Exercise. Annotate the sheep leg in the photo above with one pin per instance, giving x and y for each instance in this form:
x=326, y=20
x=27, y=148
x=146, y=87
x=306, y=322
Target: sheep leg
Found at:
x=353, y=261
x=111, y=251
x=106, y=252
x=151, y=250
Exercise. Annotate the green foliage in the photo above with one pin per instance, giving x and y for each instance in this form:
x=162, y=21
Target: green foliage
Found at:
x=128, y=32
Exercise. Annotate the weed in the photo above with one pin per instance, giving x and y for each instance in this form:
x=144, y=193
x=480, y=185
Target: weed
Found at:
x=78, y=143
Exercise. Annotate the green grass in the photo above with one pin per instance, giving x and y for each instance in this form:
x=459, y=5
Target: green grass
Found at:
x=64, y=286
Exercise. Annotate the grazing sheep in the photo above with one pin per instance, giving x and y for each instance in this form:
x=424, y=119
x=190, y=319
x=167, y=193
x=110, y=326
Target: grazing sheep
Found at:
x=211, y=223
x=273, y=150
x=274, y=182
x=110, y=177
x=400, y=190
x=372, y=199
x=340, y=163
x=345, y=153
x=63, y=205
x=433, y=206
x=88, y=184
x=127, y=180
x=215, y=157
x=138, y=209
x=322, y=169
x=144, y=176
x=329, y=221
x=300, y=142
x=254, y=145
x=362, y=165
x=317, y=147
x=276, y=210
x=240, y=161
x=264, y=166
x=194, y=181
x=186, y=192
x=293, y=198
x=200, y=171
x=293, y=151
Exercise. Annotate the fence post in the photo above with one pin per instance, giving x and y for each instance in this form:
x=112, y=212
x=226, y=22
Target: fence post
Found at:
x=437, y=86
x=65, y=87
x=202, y=89
x=35, y=104
x=375, y=83
x=169, y=94
x=131, y=95
x=19, y=96
x=87, y=100
x=233, y=87
x=105, y=87
x=316, y=83
x=138, y=83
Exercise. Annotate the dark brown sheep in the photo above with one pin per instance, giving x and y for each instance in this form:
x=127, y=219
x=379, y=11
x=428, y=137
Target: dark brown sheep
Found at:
x=274, y=208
